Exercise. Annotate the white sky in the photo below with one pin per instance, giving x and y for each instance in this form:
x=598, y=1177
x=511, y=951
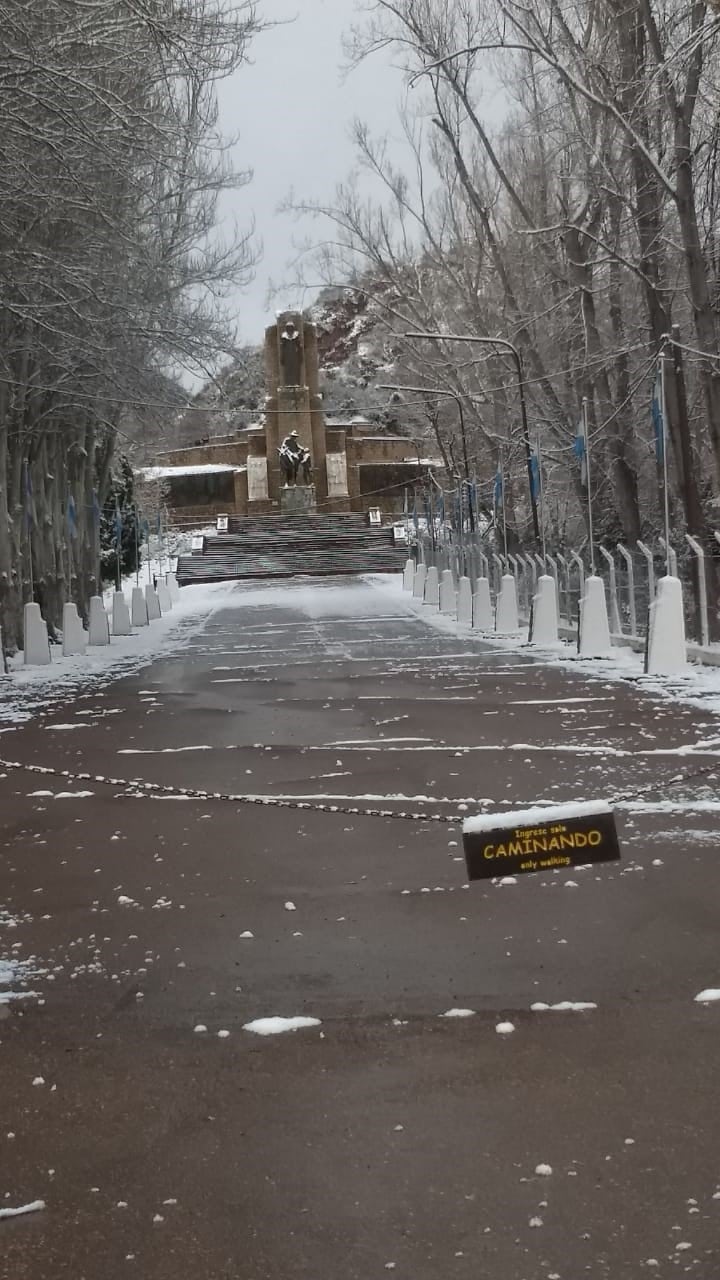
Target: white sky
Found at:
x=292, y=110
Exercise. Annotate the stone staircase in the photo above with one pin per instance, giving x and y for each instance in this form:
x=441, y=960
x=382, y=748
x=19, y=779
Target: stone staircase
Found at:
x=285, y=546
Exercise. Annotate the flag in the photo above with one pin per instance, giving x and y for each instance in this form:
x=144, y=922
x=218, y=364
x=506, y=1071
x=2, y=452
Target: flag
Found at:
x=159, y=523
x=580, y=449
x=118, y=524
x=440, y=508
x=498, y=491
x=656, y=409
x=534, y=476
x=72, y=517
x=28, y=499
x=415, y=516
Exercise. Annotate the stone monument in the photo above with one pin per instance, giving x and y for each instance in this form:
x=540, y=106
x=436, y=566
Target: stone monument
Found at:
x=293, y=414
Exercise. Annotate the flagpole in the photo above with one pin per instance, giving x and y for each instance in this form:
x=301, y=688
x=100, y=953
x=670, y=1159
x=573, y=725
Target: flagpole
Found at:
x=137, y=546
x=589, y=484
x=541, y=488
x=666, y=493
x=28, y=526
x=502, y=499
x=68, y=535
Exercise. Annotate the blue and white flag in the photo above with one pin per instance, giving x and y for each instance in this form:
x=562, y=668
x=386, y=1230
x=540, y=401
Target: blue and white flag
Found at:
x=72, y=517
x=498, y=490
x=656, y=409
x=28, y=507
x=580, y=449
x=534, y=476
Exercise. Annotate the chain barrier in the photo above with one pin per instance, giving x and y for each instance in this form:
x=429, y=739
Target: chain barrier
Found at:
x=139, y=785
x=193, y=793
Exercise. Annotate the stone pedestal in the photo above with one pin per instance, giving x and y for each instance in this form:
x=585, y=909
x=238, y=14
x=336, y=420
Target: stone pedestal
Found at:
x=298, y=500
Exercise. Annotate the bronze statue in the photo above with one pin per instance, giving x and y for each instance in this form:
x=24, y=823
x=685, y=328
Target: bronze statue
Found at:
x=293, y=455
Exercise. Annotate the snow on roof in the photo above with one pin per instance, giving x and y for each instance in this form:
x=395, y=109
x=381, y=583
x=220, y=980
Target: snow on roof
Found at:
x=198, y=469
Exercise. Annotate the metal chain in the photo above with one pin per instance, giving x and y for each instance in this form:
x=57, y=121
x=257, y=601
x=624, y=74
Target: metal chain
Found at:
x=306, y=806
x=194, y=793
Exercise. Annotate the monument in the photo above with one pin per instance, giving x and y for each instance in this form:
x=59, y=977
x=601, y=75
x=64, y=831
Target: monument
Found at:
x=292, y=460
x=295, y=426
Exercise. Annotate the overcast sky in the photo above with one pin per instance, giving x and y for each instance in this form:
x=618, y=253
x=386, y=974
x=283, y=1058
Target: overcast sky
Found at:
x=293, y=109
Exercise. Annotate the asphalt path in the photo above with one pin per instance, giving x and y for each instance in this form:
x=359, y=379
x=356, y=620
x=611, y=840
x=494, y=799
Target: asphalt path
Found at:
x=387, y=1138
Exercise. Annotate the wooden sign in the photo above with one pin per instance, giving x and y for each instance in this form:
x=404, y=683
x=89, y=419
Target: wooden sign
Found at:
x=547, y=838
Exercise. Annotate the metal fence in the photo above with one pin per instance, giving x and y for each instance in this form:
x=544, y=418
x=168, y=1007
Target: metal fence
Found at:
x=629, y=573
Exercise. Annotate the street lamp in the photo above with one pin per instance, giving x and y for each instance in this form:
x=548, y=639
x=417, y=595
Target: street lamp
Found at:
x=441, y=391
x=507, y=346
x=436, y=391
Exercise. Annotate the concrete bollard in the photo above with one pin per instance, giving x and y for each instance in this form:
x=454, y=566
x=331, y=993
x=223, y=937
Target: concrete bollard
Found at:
x=506, y=610
x=408, y=575
x=120, y=615
x=98, y=628
x=666, y=652
x=74, y=637
x=594, y=637
x=153, y=604
x=432, y=587
x=173, y=588
x=138, y=608
x=447, y=596
x=36, y=652
x=482, y=606
x=164, y=598
x=465, y=602
x=544, y=628
x=419, y=581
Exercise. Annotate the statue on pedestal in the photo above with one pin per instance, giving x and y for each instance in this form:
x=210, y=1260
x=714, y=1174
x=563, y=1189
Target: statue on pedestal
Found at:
x=293, y=456
x=291, y=355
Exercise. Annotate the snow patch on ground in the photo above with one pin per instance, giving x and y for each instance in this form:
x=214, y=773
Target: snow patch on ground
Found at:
x=275, y=1026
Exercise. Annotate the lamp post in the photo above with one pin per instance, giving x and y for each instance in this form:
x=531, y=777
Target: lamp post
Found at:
x=507, y=346
x=436, y=391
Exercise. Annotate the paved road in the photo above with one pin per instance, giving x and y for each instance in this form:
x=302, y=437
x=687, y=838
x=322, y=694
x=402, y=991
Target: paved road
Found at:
x=388, y=1139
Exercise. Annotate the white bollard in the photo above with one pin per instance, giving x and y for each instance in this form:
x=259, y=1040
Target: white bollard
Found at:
x=432, y=586
x=74, y=637
x=138, y=608
x=35, y=638
x=506, y=611
x=594, y=640
x=153, y=604
x=666, y=652
x=482, y=618
x=164, y=599
x=419, y=581
x=98, y=628
x=447, y=596
x=173, y=587
x=120, y=615
x=464, y=602
x=408, y=575
x=545, y=612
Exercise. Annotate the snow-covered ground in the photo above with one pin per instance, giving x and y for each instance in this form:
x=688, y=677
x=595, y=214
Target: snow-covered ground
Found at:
x=697, y=686
x=27, y=691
